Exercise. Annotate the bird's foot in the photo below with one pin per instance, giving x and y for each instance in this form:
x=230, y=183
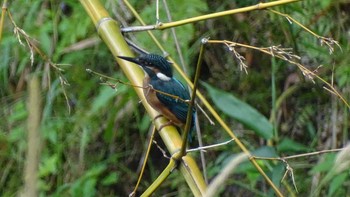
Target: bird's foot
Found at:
x=158, y=116
x=165, y=125
x=169, y=123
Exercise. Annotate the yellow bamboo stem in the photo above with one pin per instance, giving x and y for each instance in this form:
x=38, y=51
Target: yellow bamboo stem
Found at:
x=4, y=9
x=258, y=6
x=109, y=31
x=162, y=26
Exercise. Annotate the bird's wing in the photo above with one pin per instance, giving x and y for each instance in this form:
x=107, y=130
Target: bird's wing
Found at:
x=176, y=106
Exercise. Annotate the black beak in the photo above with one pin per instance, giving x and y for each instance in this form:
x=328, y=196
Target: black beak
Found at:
x=130, y=59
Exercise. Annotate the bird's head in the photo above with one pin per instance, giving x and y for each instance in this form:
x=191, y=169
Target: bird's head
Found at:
x=154, y=65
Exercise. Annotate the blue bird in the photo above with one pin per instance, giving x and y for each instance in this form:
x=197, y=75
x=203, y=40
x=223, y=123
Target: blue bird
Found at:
x=159, y=76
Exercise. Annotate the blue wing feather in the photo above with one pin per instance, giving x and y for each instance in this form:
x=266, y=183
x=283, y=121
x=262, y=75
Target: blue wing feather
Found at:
x=176, y=106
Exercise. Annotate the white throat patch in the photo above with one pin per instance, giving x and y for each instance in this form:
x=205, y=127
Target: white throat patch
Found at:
x=163, y=77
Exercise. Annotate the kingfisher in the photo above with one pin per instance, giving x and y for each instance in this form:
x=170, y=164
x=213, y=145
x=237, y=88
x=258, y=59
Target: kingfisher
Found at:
x=159, y=84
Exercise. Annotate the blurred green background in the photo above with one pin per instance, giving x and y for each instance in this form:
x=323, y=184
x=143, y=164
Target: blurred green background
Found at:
x=95, y=150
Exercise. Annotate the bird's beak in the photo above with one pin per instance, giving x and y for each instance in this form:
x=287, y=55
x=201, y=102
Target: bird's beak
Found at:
x=130, y=59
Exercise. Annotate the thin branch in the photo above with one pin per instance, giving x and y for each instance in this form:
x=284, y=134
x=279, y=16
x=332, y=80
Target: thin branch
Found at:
x=114, y=86
x=190, y=107
x=329, y=42
x=157, y=12
x=161, y=178
x=289, y=169
x=204, y=148
x=145, y=158
x=205, y=114
x=161, y=150
x=177, y=44
x=286, y=55
x=33, y=48
x=162, y=26
x=240, y=59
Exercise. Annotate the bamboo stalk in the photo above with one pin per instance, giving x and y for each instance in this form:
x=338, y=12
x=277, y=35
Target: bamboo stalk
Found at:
x=31, y=168
x=4, y=9
x=110, y=32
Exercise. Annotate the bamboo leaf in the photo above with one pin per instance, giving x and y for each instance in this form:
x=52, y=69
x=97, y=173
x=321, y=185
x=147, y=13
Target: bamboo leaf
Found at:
x=241, y=111
x=291, y=145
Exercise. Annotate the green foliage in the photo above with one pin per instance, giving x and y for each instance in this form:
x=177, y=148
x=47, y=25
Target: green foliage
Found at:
x=288, y=145
x=335, y=187
x=241, y=111
x=335, y=180
x=324, y=166
x=95, y=150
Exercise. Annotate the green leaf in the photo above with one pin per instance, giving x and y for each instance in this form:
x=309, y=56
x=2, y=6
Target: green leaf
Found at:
x=111, y=179
x=96, y=170
x=291, y=145
x=16, y=134
x=277, y=173
x=102, y=100
x=89, y=187
x=336, y=183
x=324, y=166
x=19, y=112
x=241, y=111
x=325, y=3
x=265, y=151
x=86, y=185
x=49, y=166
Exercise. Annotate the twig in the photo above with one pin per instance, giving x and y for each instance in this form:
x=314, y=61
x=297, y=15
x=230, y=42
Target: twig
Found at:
x=161, y=150
x=193, y=97
x=103, y=77
x=329, y=42
x=162, y=26
x=203, y=148
x=145, y=158
x=240, y=59
x=32, y=47
x=286, y=55
x=177, y=44
x=299, y=155
x=206, y=115
x=289, y=169
x=157, y=12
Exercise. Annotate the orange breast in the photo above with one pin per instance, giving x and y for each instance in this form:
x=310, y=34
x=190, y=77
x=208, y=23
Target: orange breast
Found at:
x=153, y=100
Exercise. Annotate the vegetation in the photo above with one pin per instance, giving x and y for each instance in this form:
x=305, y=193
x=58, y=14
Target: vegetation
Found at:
x=92, y=137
